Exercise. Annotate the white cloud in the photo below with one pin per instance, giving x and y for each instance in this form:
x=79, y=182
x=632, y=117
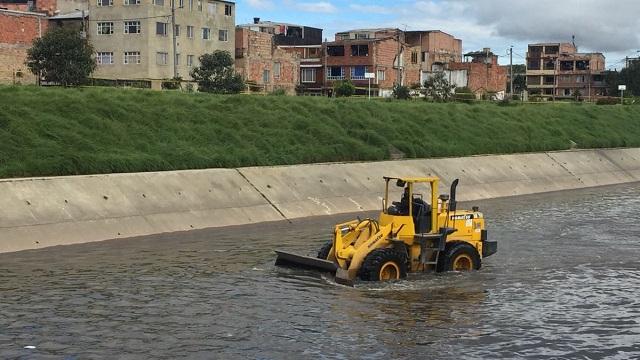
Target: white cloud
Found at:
x=260, y=4
x=316, y=7
x=598, y=25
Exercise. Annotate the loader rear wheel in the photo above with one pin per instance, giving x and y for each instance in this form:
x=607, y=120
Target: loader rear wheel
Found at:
x=323, y=253
x=384, y=265
x=460, y=256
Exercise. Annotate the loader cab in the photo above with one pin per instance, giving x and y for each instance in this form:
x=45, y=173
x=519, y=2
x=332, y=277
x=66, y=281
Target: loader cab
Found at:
x=409, y=203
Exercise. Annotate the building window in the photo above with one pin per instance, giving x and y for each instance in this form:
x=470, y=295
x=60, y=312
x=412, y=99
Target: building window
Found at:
x=228, y=10
x=161, y=28
x=190, y=31
x=567, y=92
x=277, y=68
x=206, y=33
x=380, y=75
x=549, y=80
x=335, y=73
x=362, y=36
x=265, y=76
x=359, y=50
x=177, y=30
x=308, y=75
x=181, y=4
x=158, y=2
x=580, y=79
x=424, y=56
x=132, y=57
x=105, y=2
x=223, y=35
x=177, y=59
x=199, y=5
x=132, y=27
x=104, y=58
x=357, y=72
x=190, y=5
x=190, y=59
x=414, y=57
x=162, y=58
x=105, y=28
x=132, y=2
x=335, y=50
x=212, y=7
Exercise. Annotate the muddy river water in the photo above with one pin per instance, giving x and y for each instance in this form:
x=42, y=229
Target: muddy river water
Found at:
x=564, y=284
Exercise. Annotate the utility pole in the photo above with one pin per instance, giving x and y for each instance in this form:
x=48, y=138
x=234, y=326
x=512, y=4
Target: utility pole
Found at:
x=173, y=35
x=399, y=75
x=511, y=71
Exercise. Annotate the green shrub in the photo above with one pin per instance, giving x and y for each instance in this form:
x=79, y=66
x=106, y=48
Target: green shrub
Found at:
x=344, y=88
x=608, y=101
x=401, y=92
x=172, y=84
x=279, y=92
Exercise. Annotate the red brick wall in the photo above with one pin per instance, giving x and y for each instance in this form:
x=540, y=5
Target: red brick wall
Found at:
x=259, y=54
x=20, y=29
x=42, y=6
x=17, y=32
x=483, y=77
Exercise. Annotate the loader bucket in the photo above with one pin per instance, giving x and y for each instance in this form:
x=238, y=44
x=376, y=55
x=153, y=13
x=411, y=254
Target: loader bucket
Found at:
x=305, y=262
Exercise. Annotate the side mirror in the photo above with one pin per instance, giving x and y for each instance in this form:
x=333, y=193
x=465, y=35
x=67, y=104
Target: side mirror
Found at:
x=400, y=183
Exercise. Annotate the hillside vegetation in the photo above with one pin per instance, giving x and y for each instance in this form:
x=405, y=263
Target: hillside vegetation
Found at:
x=57, y=131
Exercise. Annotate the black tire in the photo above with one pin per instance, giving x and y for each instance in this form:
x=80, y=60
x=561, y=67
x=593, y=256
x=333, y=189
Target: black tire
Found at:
x=323, y=253
x=383, y=258
x=459, y=256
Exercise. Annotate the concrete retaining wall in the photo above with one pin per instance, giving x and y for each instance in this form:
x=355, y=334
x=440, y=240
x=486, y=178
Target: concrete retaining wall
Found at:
x=40, y=212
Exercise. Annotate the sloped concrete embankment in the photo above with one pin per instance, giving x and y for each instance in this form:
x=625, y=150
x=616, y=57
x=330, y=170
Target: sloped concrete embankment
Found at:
x=42, y=212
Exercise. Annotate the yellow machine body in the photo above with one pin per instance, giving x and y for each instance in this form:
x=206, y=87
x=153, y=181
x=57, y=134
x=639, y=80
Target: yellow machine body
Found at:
x=420, y=238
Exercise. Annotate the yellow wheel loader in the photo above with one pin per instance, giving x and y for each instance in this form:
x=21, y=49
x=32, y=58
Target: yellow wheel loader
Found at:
x=411, y=235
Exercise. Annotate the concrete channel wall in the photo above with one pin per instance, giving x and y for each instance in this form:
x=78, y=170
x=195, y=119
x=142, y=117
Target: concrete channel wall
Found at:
x=41, y=212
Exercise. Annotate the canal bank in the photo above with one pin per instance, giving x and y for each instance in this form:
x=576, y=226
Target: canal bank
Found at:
x=42, y=212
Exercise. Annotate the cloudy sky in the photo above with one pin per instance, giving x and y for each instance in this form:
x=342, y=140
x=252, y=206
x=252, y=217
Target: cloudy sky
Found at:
x=609, y=26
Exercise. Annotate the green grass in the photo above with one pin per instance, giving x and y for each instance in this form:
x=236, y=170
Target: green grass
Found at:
x=58, y=131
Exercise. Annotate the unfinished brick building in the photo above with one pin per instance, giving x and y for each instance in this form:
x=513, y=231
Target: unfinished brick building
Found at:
x=273, y=55
x=19, y=29
x=557, y=70
x=392, y=55
x=483, y=74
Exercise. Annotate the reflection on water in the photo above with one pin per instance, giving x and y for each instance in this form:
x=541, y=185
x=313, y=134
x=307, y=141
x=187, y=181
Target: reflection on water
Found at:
x=564, y=284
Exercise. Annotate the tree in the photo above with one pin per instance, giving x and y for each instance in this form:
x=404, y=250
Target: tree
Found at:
x=344, y=88
x=216, y=74
x=438, y=88
x=61, y=56
x=629, y=76
x=519, y=79
x=401, y=92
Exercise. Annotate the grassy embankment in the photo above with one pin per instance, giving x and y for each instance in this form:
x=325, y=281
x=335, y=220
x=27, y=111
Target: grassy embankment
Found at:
x=83, y=131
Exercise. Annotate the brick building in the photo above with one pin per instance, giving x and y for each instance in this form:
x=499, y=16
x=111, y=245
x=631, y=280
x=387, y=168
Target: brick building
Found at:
x=22, y=28
x=483, y=74
x=392, y=55
x=272, y=55
x=557, y=70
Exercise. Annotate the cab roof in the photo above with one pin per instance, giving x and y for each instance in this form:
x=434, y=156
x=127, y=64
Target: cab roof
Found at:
x=429, y=179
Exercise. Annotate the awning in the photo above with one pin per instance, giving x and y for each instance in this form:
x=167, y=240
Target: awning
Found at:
x=311, y=65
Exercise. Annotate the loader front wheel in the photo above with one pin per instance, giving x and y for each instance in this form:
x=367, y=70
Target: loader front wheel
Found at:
x=460, y=257
x=384, y=265
x=323, y=253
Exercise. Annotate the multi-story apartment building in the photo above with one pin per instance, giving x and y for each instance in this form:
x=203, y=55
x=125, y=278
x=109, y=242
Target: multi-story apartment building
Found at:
x=133, y=39
x=392, y=55
x=273, y=55
x=557, y=70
